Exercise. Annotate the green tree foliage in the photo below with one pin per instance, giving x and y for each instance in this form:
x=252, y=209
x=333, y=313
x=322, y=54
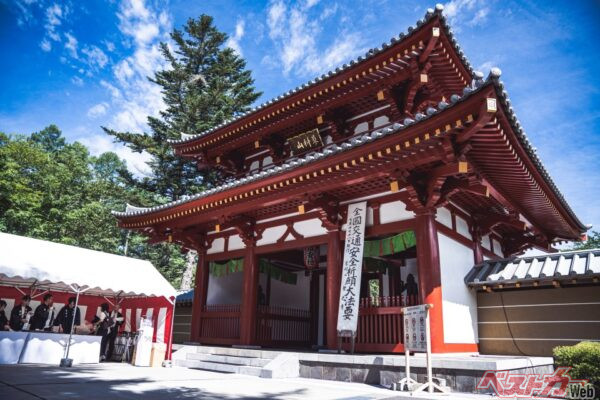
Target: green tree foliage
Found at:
x=584, y=357
x=56, y=191
x=204, y=84
x=593, y=242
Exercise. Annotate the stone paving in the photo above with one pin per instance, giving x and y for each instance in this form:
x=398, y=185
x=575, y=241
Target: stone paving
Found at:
x=122, y=381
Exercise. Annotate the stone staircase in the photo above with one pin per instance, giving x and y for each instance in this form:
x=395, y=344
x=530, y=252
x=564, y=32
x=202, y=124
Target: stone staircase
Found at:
x=255, y=362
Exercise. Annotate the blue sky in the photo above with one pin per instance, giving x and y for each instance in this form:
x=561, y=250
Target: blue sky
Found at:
x=81, y=64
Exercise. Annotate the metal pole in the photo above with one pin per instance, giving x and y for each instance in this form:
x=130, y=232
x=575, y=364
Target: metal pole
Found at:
x=407, y=357
x=428, y=337
x=65, y=361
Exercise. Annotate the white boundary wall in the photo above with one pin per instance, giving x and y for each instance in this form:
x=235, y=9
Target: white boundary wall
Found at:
x=459, y=303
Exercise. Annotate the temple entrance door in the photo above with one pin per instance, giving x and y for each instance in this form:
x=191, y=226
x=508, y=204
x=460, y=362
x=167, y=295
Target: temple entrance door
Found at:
x=290, y=300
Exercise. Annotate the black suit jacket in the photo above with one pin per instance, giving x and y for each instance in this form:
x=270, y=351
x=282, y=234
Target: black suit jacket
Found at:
x=15, y=317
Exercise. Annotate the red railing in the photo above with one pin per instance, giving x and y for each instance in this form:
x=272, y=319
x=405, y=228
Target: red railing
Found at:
x=380, y=324
x=220, y=324
x=282, y=326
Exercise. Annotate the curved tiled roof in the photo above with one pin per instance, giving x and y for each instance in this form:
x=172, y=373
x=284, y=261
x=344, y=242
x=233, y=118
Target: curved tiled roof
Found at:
x=328, y=150
x=478, y=82
x=558, y=266
x=185, y=138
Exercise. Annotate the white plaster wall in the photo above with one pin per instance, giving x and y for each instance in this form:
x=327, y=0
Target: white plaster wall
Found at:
x=385, y=289
x=226, y=289
x=462, y=227
x=271, y=235
x=310, y=227
x=394, y=211
x=459, y=303
x=284, y=294
x=444, y=217
x=268, y=160
x=497, y=248
x=485, y=242
x=217, y=246
x=236, y=243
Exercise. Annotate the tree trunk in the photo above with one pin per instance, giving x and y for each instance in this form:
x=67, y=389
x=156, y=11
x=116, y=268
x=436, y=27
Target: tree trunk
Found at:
x=187, y=280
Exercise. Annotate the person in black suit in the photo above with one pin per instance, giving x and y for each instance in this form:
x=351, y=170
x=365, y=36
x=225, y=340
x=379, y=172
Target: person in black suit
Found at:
x=19, y=314
x=66, y=315
x=117, y=320
x=43, y=317
x=3, y=319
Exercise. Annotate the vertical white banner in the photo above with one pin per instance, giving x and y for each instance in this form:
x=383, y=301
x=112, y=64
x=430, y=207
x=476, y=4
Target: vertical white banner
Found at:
x=352, y=269
x=138, y=317
x=128, y=320
x=160, y=325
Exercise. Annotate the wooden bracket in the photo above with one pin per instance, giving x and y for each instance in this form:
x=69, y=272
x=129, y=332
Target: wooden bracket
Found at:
x=485, y=116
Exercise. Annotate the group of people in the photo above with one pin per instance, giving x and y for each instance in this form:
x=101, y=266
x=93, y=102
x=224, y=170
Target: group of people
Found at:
x=68, y=318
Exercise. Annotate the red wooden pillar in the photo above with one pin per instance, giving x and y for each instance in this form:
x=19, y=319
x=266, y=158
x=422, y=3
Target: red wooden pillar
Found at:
x=200, y=291
x=249, y=296
x=430, y=286
x=332, y=290
x=314, y=307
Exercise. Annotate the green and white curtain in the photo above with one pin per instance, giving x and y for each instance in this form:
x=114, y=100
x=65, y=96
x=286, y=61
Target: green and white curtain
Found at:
x=218, y=269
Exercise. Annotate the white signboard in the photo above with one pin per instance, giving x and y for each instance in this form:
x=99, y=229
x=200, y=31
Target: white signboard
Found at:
x=415, y=328
x=352, y=269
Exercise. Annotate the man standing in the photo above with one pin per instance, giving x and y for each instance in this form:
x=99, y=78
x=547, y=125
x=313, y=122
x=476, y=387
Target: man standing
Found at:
x=20, y=315
x=117, y=319
x=3, y=319
x=66, y=315
x=43, y=317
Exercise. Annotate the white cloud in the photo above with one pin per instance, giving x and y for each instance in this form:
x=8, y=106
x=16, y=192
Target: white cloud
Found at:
x=77, y=81
x=110, y=46
x=470, y=12
x=113, y=90
x=54, y=14
x=98, y=110
x=234, y=40
x=136, y=162
x=46, y=45
x=144, y=27
x=95, y=56
x=71, y=45
x=297, y=36
x=140, y=23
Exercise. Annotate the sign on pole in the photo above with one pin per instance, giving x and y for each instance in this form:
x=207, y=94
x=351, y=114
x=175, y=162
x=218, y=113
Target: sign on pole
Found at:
x=417, y=338
x=415, y=328
x=352, y=269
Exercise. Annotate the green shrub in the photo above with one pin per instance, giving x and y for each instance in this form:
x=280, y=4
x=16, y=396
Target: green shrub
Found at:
x=584, y=357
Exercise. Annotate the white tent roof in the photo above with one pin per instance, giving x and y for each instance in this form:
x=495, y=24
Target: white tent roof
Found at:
x=53, y=266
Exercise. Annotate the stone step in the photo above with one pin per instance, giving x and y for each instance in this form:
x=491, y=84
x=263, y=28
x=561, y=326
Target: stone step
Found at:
x=237, y=352
x=226, y=359
x=218, y=367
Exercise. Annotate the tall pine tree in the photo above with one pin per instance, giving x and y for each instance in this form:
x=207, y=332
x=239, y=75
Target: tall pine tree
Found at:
x=205, y=84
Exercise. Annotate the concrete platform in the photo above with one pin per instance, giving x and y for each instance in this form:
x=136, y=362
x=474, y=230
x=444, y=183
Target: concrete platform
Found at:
x=123, y=381
x=460, y=371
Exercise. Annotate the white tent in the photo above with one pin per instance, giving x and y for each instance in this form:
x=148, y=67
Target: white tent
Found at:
x=47, y=266
x=53, y=266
